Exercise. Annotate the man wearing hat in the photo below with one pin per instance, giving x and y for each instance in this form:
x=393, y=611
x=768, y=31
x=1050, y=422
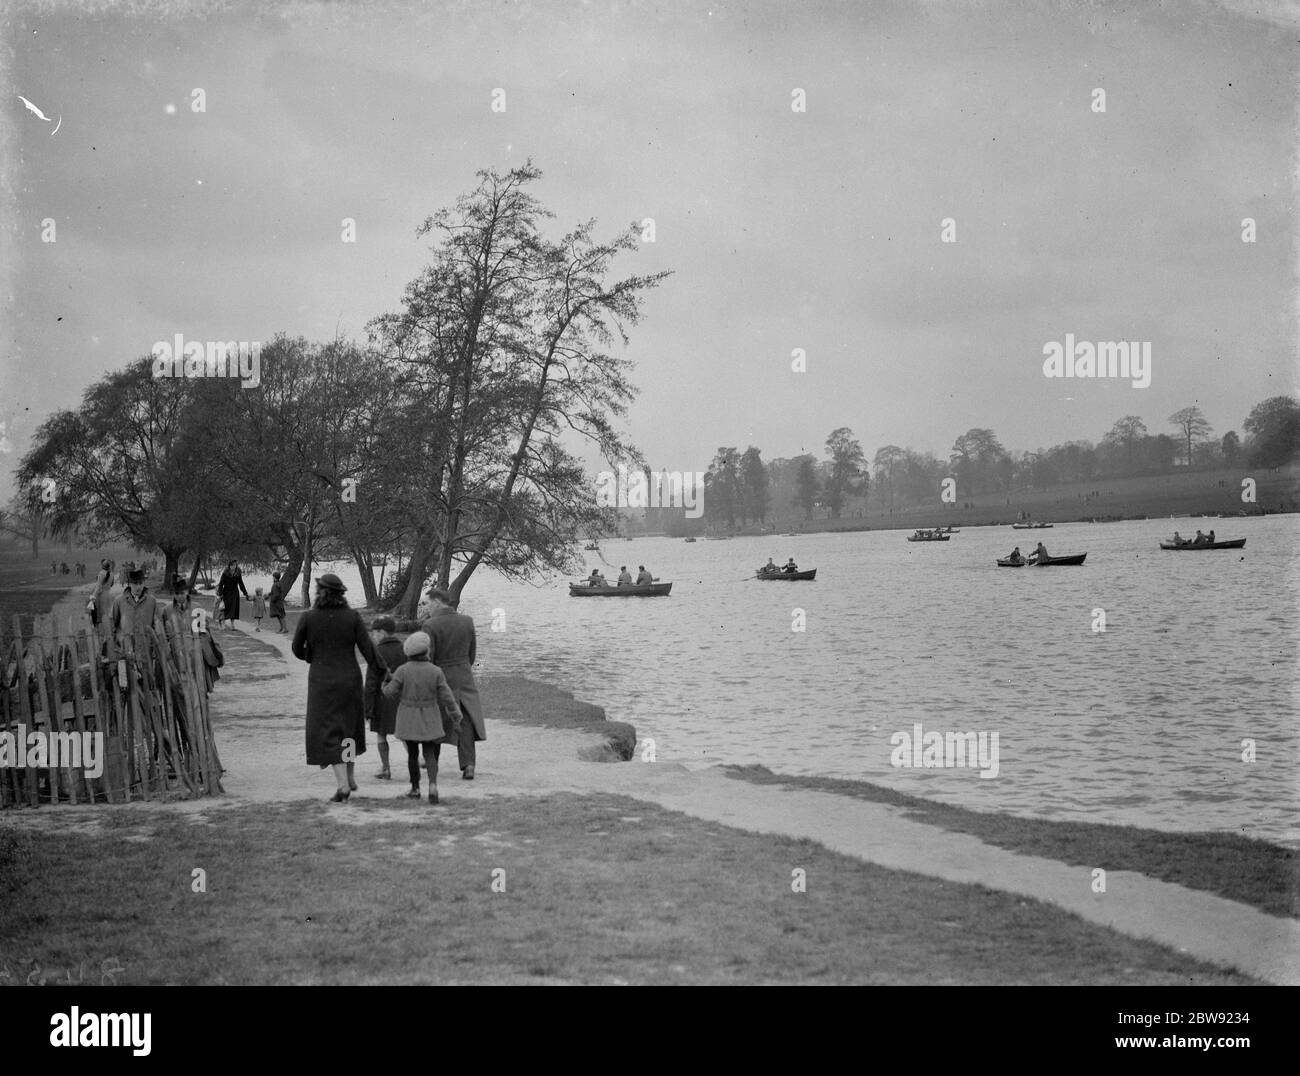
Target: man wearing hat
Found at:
x=134, y=611
x=453, y=647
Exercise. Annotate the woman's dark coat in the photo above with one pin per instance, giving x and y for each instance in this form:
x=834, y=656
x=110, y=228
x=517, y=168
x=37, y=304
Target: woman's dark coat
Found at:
x=328, y=639
x=228, y=587
x=275, y=600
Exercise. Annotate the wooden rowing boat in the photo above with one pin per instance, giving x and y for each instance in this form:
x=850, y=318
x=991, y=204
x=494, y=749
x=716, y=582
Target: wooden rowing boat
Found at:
x=928, y=538
x=645, y=590
x=1031, y=526
x=1007, y=562
x=1235, y=543
x=781, y=574
x=1056, y=562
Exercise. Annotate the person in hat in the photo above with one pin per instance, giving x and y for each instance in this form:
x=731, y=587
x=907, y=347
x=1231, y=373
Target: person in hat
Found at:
x=381, y=712
x=134, y=612
x=103, y=597
x=275, y=601
x=327, y=637
x=228, y=588
x=184, y=619
x=453, y=648
x=427, y=712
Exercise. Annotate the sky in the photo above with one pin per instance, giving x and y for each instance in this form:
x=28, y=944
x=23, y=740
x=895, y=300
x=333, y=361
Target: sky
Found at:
x=818, y=229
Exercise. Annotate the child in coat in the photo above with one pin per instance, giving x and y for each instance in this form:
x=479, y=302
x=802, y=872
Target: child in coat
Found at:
x=381, y=712
x=259, y=609
x=427, y=712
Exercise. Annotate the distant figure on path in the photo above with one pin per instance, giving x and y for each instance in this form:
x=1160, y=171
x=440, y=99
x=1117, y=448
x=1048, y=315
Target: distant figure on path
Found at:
x=453, y=648
x=228, y=588
x=381, y=712
x=103, y=598
x=259, y=609
x=327, y=638
x=427, y=712
x=276, y=601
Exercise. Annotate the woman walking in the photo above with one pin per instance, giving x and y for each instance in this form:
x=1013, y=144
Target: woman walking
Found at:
x=327, y=638
x=426, y=714
x=275, y=601
x=228, y=588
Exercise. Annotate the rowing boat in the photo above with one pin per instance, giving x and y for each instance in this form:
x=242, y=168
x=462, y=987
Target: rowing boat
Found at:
x=1053, y=562
x=1031, y=526
x=645, y=590
x=928, y=538
x=1235, y=543
x=810, y=573
x=1007, y=562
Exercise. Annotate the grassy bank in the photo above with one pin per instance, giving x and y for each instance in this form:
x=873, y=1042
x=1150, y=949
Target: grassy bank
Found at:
x=598, y=889
x=1265, y=876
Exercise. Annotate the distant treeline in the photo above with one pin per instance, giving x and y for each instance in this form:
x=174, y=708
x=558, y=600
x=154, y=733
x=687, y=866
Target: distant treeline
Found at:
x=740, y=488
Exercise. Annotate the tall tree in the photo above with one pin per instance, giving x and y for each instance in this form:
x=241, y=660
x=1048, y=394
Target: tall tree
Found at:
x=807, y=484
x=722, y=493
x=886, y=464
x=847, y=477
x=1193, y=425
x=506, y=332
x=754, y=484
x=1274, y=429
x=1230, y=446
x=977, y=456
x=1124, y=437
x=126, y=463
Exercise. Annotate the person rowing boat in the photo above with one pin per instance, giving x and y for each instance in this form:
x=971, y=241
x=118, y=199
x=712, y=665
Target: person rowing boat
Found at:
x=1015, y=557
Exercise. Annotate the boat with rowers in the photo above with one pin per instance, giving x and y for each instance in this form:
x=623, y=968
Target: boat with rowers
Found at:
x=782, y=574
x=928, y=536
x=1028, y=526
x=629, y=590
x=1202, y=541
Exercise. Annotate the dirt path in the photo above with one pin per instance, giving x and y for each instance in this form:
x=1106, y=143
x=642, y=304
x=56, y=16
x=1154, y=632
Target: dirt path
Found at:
x=258, y=720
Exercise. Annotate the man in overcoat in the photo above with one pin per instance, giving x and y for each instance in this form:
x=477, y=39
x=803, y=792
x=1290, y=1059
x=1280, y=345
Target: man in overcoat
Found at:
x=453, y=648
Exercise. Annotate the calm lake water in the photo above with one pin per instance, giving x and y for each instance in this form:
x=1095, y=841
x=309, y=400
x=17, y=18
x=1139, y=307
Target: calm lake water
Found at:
x=1140, y=724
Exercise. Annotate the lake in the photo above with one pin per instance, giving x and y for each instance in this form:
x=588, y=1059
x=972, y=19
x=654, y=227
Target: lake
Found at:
x=1143, y=723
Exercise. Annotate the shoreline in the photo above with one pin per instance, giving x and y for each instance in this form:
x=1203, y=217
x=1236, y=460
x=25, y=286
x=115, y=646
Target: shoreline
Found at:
x=1154, y=887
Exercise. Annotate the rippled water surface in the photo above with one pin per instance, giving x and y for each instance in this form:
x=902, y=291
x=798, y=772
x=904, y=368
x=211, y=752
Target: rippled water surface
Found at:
x=1140, y=724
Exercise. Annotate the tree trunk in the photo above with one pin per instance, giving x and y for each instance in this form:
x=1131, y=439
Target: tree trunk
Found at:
x=194, y=571
x=417, y=570
x=171, y=568
x=367, y=573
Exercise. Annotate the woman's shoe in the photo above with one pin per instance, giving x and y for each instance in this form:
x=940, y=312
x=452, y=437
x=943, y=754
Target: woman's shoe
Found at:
x=340, y=796
x=414, y=794
x=384, y=775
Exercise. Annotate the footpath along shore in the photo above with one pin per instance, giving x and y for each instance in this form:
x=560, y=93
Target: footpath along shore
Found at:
x=257, y=711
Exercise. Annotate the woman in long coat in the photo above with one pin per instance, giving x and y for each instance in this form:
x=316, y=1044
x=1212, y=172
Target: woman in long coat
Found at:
x=327, y=637
x=228, y=588
x=275, y=601
x=103, y=598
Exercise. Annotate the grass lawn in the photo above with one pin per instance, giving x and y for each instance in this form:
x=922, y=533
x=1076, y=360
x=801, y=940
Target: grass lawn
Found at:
x=598, y=889
x=1265, y=876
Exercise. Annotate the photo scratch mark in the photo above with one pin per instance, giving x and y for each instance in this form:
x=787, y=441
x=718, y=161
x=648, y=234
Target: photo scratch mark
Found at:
x=32, y=108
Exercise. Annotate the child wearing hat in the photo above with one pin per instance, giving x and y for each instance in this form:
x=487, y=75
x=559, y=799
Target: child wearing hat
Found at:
x=259, y=609
x=427, y=711
x=381, y=712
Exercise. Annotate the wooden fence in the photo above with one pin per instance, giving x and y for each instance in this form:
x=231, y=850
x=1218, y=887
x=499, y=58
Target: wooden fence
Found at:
x=150, y=711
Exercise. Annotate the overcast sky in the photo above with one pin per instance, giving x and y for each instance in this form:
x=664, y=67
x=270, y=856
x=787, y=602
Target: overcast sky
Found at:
x=817, y=230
